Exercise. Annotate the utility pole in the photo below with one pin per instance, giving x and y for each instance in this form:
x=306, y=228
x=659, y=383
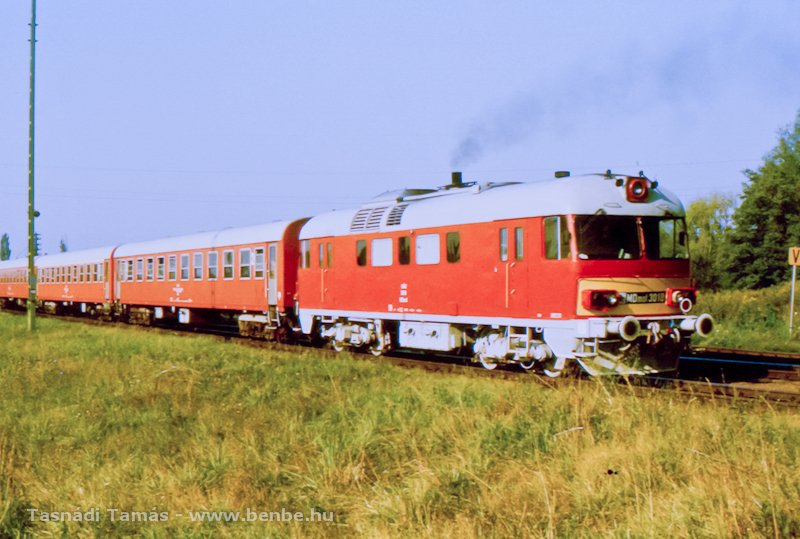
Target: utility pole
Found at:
x=31, y=212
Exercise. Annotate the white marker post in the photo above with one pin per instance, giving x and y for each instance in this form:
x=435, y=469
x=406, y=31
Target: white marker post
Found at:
x=794, y=260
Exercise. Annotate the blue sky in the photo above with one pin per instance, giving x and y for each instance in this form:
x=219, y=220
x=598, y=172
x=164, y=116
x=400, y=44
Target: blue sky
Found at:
x=157, y=119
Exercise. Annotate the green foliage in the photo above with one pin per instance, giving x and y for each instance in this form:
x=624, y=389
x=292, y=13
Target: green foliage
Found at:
x=709, y=222
x=768, y=220
x=5, y=250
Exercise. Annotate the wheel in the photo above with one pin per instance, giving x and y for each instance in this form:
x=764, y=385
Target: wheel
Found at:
x=527, y=364
x=553, y=367
x=380, y=346
x=339, y=346
x=487, y=364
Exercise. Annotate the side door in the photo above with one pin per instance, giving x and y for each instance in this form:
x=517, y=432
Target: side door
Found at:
x=272, y=274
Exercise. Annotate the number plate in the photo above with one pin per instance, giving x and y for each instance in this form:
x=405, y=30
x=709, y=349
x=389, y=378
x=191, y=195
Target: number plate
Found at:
x=645, y=297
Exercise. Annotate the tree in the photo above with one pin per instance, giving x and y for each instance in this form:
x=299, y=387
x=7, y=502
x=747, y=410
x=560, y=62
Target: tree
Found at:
x=5, y=250
x=63, y=246
x=710, y=225
x=768, y=220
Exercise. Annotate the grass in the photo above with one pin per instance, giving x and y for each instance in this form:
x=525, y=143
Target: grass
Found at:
x=751, y=319
x=117, y=418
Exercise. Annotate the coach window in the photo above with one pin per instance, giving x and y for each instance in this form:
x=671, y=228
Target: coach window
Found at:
x=160, y=268
x=120, y=271
x=259, y=270
x=361, y=252
x=428, y=251
x=244, y=263
x=173, y=267
x=305, y=254
x=139, y=269
x=556, y=238
x=149, y=269
x=212, y=266
x=453, y=247
x=197, y=266
x=130, y=270
x=503, y=244
x=519, y=243
x=330, y=255
x=94, y=273
x=184, y=267
x=404, y=250
x=382, y=252
x=80, y=273
x=74, y=274
x=227, y=264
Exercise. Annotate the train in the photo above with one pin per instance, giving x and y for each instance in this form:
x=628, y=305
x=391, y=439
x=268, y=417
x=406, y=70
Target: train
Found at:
x=585, y=273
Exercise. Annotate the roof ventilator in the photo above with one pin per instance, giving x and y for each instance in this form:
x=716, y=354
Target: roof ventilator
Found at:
x=396, y=215
x=367, y=219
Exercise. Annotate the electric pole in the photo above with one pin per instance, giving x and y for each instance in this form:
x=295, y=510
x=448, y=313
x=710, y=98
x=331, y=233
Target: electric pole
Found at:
x=31, y=213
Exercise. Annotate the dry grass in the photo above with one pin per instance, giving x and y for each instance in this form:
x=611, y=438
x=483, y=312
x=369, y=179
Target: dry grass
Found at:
x=119, y=418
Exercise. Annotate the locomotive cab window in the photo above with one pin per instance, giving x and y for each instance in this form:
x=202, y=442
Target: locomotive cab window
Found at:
x=503, y=244
x=453, y=247
x=665, y=238
x=607, y=237
x=518, y=243
x=556, y=238
x=330, y=255
x=305, y=254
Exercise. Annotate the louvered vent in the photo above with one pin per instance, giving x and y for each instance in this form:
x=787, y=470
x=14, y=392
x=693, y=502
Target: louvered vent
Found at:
x=374, y=219
x=396, y=215
x=359, y=220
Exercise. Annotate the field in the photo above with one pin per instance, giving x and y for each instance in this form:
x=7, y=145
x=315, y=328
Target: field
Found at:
x=752, y=320
x=117, y=421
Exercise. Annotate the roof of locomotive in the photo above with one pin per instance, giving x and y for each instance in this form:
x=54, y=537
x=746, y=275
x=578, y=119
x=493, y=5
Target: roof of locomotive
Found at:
x=477, y=203
x=207, y=240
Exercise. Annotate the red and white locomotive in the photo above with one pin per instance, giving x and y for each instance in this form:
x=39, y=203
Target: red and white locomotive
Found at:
x=589, y=270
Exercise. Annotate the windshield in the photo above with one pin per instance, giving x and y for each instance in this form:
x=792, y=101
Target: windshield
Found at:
x=665, y=238
x=607, y=237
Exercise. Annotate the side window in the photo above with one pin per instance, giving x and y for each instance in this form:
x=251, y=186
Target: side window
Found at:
x=94, y=274
x=244, y=263
x=212, y=265
x=227, y=264
x=361, y=252
x=428, y=251
x=130, y=271
x=503, y=244
x=139, y=269
x=404, y=250
x=519, y=243
x=184, y=267
x=321, y=255
x=121, y=271
x=197, y=266
x=556, y=238
x=305, y=254
x=330, y=255
x=149, y=269
x=80, y=273
x=160, y=269
x=382, y=252
x=259, y=272
x=173, y=267
x=453, y=247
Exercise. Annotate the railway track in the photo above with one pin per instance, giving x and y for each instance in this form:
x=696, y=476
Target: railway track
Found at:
x=765, y=384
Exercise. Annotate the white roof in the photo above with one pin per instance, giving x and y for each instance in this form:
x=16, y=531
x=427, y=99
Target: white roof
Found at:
x=61, y=259
x=207, y=240
x=478, y=203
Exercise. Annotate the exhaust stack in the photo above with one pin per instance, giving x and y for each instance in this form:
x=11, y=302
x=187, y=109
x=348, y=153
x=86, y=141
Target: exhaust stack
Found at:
x=457, y=180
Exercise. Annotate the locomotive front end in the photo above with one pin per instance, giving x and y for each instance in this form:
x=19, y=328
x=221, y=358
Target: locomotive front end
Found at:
x=635, y=295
